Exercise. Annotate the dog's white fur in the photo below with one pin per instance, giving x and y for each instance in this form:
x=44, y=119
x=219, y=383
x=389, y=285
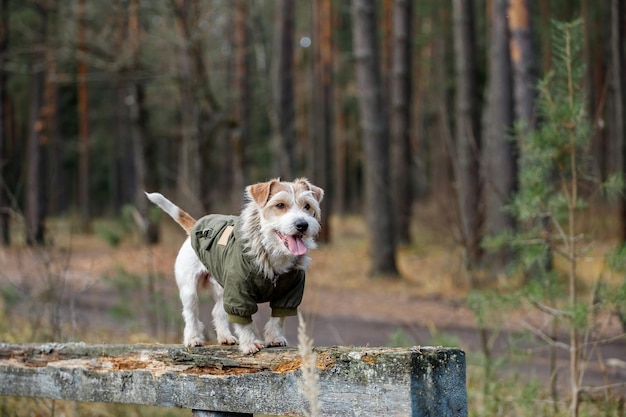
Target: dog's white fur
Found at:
x=272, y=209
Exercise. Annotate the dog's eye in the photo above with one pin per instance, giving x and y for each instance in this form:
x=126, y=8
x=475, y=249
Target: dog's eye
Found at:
x=307, y=207
x=280, y=206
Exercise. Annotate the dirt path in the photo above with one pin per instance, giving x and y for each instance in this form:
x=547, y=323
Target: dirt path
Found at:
x=352, y=318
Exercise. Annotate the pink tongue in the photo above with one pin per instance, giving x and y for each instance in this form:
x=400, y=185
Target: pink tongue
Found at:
x=296, y=245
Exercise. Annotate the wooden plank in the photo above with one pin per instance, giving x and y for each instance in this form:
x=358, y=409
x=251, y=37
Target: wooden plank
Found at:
x=200, y=413
x=352, y=381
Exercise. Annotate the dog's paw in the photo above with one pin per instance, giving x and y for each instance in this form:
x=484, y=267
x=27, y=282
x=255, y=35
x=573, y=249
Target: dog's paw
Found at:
x=194, y=341
x=250, y=348
x=227, y=340
x=276, y=341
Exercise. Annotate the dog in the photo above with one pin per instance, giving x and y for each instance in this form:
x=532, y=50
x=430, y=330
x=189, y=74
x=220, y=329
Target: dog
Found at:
x=259, y=256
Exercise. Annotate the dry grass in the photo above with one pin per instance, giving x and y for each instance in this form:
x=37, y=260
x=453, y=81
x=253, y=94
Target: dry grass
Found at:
x=427, y=268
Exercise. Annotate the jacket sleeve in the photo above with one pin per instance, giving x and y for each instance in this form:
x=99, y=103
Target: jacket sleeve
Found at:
x=239, y=300
x=288, y=295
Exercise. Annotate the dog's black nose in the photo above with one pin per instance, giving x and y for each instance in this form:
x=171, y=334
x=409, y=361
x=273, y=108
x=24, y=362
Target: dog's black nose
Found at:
x=302, y=226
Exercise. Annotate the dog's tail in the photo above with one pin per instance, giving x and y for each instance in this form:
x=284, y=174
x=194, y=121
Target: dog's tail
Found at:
x=179, y=215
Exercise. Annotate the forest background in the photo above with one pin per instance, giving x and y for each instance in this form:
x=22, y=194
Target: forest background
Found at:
x=391, y=106
x=101, y=101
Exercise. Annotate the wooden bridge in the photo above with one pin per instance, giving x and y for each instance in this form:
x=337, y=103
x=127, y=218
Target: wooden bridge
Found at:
x=219, y=381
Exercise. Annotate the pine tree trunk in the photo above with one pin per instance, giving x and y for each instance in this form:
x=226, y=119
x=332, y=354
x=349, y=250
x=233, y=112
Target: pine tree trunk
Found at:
x=617, y=88
x=282, y=82
x=500, y=154
x=400, y=100
x=440, y=108
x=240, y=136
x=35, y=206
x=594, y=15
x=322, y=109
x=188, y=185
x=35, y=173
x=375, y=131
x=343, y=136
x=340, y=159
x=83, y=120
x=388, y=28
x=52, y=130
x=138, y=129
x=546, y=47
x=522, y=59
x=468, y=141
x=5, y=236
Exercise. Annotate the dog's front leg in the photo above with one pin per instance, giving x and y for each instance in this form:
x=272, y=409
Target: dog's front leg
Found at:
x=220, y=321
x=274, y=335
x=248, y=342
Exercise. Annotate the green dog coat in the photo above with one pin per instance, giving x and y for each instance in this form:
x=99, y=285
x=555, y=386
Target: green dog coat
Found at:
x=217, y=242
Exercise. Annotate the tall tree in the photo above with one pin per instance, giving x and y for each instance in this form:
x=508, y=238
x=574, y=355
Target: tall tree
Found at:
x=83, y=117
x=525, y=91
x=138, y=128
x=522, y=60
x=5, y=237
x=544, y=21
x=500, y=152
x=468, y=140
x=123, y=184
x=439, y=108
x=375, y=131
x=202, y=117
x=594, y=15
x=400, y=100
x=282, y=87
x=345, y=156
x=50, y=116
x=387, y=47
x=322, y=107
x=618, y=95
x=35, y=153
x=189, y=165
x=127, y=41
x=243, y=88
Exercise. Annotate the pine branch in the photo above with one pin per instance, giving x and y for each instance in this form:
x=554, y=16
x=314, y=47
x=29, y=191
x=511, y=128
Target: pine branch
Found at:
x=550, y=310
x=600, y=388
x=545, y=337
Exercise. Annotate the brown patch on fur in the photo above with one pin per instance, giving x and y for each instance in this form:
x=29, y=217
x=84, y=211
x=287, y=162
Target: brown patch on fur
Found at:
x=277, y=187
x=203, y=280
x=317, y=192
x=260, y=193
x=185, y=220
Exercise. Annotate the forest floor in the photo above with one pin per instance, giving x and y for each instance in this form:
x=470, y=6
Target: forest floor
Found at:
x=83, y=288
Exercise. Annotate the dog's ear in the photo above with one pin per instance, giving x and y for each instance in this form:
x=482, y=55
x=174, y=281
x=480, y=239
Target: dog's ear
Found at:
x=317, y=192
x=260, y=192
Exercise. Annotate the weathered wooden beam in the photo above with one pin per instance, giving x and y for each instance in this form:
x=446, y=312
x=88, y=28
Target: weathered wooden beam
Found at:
x=352, y=381
x=201, y=413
